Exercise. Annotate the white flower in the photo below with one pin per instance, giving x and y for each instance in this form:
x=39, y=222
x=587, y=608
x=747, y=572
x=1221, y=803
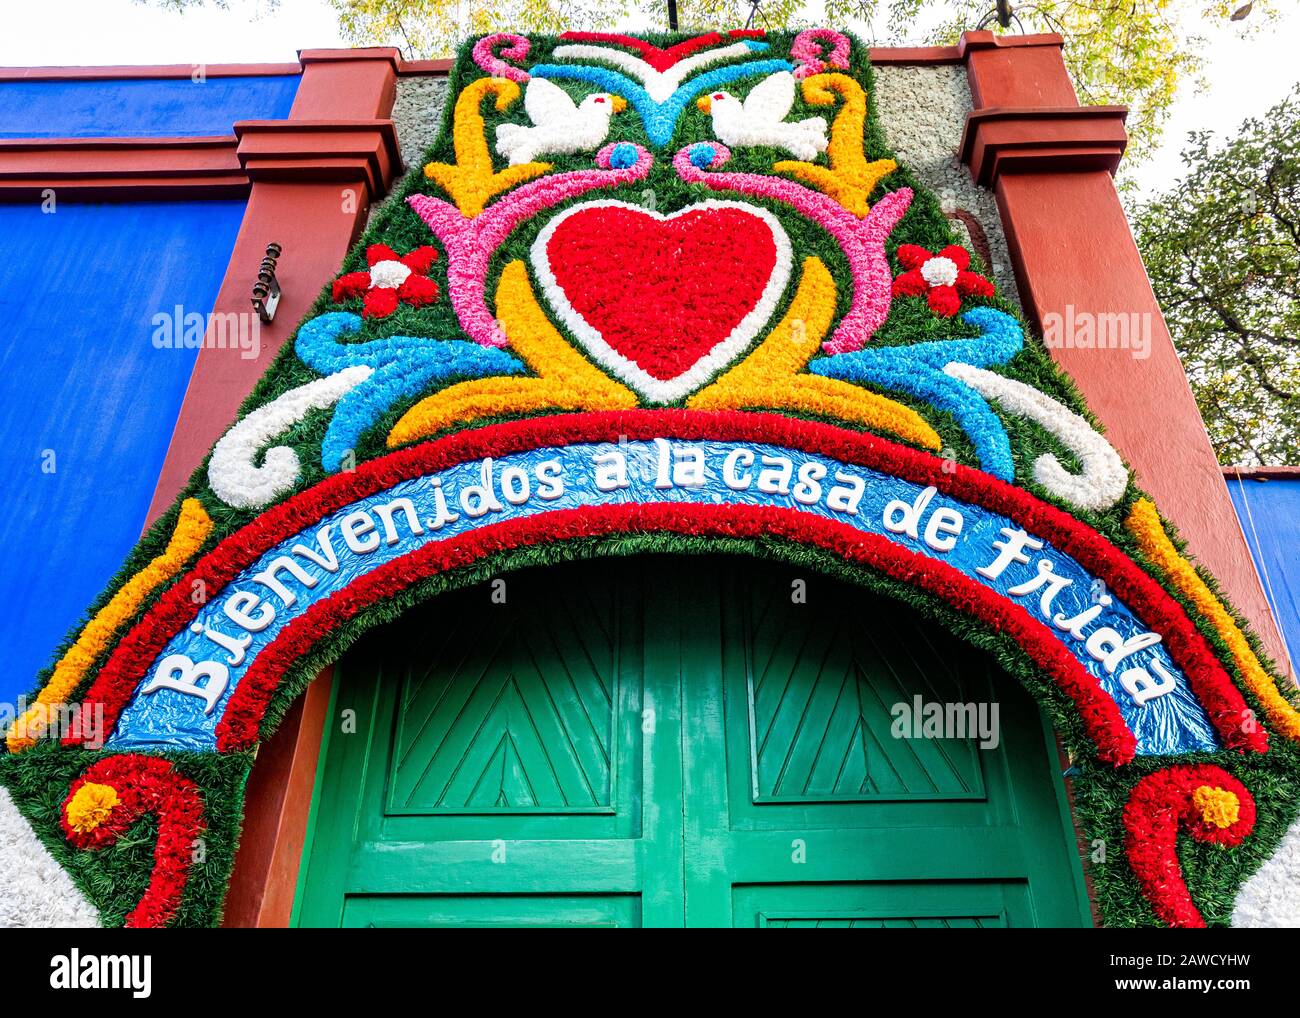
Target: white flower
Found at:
x=38, y=890
x=1104, y=477
x=939, y=271
x=233, y=471
x=388, y=274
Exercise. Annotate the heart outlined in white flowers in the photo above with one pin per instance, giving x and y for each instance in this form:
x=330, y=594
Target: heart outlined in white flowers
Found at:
x=718, y=356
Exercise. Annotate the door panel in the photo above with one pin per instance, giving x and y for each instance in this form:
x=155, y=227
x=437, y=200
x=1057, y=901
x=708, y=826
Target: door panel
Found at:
x=512, y=713
x=878, y=906
x=496, y=752
x=668, y=741
x=489, y=910
x=819, y=683
x=819, y=791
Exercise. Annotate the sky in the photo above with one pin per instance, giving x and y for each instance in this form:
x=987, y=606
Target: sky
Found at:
x=1244, y=76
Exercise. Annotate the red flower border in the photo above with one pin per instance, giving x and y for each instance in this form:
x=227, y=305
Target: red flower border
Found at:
x=146, y=784
x=239, y=726
x=662, y=59
x=1207, y=676
x=1161, y=805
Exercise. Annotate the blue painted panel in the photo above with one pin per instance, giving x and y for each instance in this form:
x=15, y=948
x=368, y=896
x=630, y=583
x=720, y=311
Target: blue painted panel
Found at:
x=79, y=375
x=1270, y=515
x=141, y=108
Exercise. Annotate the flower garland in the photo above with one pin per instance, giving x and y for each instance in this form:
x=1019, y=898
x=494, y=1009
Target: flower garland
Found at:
x=1144, y=524
x=972, y=378
x=918, y=369
x=398, y=367
x=861, y=240
x=233, y=471
x=1104, y=478
x=115, y=792
x=1204, y=801
x=773, y=376
x=1222, y=702
x=818, y=49
x=665, y=285
x=193, y=526
x=392, y=279
x=943, y=279
x=240, y=726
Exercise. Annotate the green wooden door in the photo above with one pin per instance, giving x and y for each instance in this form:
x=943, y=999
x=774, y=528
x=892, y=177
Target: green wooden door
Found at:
x=677, y=742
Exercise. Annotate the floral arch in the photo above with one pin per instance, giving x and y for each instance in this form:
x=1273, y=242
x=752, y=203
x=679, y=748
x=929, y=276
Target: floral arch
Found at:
x=658, y=294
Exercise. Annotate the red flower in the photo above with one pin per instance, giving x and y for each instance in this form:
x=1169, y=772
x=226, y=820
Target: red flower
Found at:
x=392, y=278
x=130, y=660
x=1159, y=807
x=145, y=784
x=943, y=278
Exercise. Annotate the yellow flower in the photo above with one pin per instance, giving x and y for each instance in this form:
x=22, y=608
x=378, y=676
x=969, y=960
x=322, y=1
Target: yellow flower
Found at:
x=470, y=180
x=192, y=528
x=90, y=806
x=1216, y=806
x=850, y=178
x=1144, y=524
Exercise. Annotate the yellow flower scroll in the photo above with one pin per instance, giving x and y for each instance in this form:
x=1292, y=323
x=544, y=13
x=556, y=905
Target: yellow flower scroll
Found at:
x=770, y=376
x=1144, y=524
x=850, y=178
x=192, y=528
x=471, y=181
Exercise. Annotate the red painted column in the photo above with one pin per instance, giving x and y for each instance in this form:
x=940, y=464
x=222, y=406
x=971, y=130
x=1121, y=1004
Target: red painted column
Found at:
x=1049, y=162
x=313, y=179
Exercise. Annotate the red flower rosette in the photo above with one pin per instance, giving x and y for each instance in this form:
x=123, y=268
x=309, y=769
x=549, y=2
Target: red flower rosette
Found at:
x=130, y=786
x=943, y=279
x=392, y=279
x=1203, y=801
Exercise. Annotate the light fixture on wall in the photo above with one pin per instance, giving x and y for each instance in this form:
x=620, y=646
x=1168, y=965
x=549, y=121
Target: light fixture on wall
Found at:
x=266, y=291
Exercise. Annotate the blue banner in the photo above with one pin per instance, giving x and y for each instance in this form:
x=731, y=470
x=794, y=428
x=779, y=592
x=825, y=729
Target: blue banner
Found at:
x=185, y=693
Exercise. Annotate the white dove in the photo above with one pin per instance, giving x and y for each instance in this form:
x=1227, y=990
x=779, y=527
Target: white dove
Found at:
x=758, y=120
x=559, y=124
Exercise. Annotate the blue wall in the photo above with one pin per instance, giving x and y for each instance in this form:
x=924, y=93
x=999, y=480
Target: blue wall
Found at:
x=79, y=375
x=143, y=108
x=1270, y=515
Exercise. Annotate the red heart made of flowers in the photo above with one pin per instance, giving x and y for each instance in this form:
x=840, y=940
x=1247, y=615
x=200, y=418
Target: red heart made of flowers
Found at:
x=663, y=302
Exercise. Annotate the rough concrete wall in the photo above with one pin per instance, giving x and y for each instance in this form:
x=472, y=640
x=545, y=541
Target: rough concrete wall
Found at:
x=923, y=111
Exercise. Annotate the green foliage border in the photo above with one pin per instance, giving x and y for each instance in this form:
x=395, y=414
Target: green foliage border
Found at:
x=114, y=879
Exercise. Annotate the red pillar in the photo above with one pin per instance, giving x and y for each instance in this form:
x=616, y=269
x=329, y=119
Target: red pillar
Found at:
x=1049, y=162
x=313, y=178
